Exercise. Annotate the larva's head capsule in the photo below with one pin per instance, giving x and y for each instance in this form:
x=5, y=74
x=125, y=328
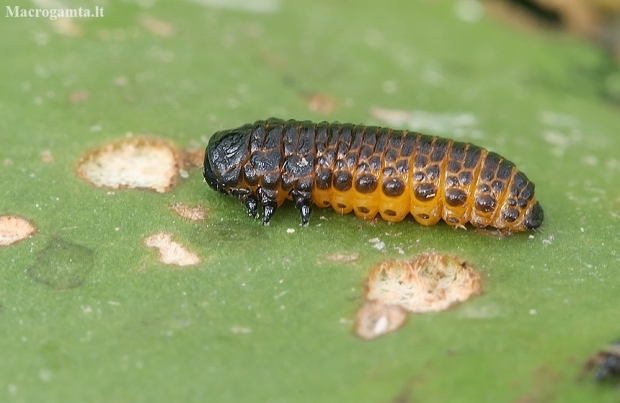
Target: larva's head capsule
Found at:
x=225, y=154
x=534, y=217
x=209, y=175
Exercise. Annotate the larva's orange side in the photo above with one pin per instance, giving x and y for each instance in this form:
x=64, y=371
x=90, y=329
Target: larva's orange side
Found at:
x=369, y=170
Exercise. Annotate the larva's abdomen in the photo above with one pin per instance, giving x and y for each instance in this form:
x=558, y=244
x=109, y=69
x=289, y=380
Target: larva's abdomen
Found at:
x=369, y=170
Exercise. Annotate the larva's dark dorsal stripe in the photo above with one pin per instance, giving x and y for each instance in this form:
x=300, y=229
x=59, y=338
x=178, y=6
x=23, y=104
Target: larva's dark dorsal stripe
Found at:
x=369, y=170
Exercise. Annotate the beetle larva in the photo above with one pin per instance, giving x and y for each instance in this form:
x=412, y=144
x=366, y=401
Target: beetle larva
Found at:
x=369, y=170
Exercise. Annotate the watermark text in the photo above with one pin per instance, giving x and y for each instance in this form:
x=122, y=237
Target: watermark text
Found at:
x=54, y=13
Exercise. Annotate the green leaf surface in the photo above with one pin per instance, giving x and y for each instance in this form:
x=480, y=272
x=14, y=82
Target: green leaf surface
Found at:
x=265, y=317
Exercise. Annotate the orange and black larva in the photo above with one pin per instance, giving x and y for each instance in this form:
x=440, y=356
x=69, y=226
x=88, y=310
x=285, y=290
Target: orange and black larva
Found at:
x=369, y=170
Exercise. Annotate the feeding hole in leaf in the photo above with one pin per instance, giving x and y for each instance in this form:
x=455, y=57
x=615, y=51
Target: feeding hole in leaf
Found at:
x=171, y=252
x=429, y=283
x=136, y=162
x=13, y=229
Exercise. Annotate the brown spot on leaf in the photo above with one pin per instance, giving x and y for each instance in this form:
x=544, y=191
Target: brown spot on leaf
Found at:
x=14, y=229
x=543, y=387
x=157, y=27
x=375, y=319
x=196, y=213
x=137, y=162
x=78, y=96
x=194, y=157
x=66, y=26
x=171, y=252
x=120, y=81
x=342, y=257
x=46, y=156
x=320, y=103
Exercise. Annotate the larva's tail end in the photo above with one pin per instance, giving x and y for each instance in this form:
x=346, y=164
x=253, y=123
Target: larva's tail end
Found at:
x=534, y=217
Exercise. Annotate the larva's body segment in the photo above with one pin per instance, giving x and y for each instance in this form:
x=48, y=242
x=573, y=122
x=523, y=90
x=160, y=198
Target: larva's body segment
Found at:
x=369, y=170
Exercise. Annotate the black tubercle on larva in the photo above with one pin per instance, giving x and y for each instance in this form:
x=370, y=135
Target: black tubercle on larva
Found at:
x=360, y=167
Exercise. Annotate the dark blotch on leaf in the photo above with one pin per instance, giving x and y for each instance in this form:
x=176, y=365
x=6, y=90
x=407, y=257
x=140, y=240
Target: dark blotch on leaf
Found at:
x=62, y=264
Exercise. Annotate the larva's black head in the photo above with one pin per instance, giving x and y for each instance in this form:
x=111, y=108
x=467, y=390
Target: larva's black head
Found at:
x=225, y=153
x=208, y=173
x=534, y=217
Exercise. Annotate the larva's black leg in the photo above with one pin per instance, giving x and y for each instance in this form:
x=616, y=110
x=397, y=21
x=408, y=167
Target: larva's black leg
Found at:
x=305, y=214
x=252, y=205
x=248, y=199
x=268, y=211
x=303, y=201
x=267, y=199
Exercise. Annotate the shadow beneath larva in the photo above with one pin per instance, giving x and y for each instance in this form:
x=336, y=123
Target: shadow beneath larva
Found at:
x=242, y=231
